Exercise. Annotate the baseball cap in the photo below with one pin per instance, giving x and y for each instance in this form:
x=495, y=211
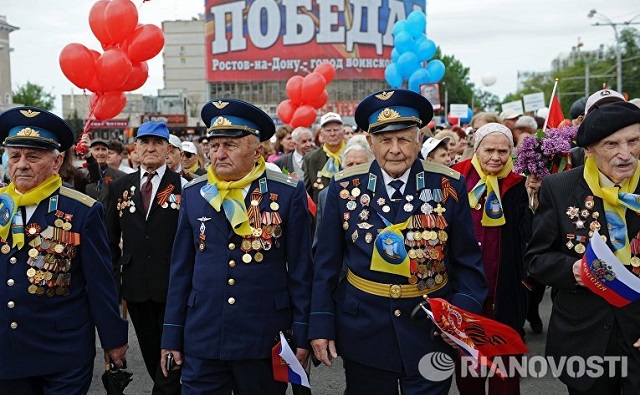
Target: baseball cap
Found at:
x=509, y=114
x=175, y=141
x=153, y=129
x=330, y=117
x=577, y=108
x=601, y=97
x=188, y=146
x=431, y=144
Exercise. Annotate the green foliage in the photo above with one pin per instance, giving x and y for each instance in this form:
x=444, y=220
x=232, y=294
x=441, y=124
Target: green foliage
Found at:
x=33, y=95
x=76, y=123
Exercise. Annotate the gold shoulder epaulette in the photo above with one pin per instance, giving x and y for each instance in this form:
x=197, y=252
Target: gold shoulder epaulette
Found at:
x=434, y=167
x=79, y=196
x=353, y=171
x=195, y=181
x=281, y=177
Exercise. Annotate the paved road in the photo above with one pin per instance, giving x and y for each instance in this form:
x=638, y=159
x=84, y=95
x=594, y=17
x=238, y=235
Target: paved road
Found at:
x=330, y=381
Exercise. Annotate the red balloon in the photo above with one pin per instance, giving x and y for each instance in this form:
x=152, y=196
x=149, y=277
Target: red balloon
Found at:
x=77, y=64
x=121, y=18
x=94, y=86
x=294, y=89
x=327, y=70
x=453, y=120
x=113, y=69
x=319, y=100
x=304, y=116
x=145, y=43
x=137, y=77
x=107, y=105
x=98, y=22
x=285, y=111
x=312, y=85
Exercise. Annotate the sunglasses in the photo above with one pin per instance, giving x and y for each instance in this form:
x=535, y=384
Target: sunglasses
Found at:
x=188, y=155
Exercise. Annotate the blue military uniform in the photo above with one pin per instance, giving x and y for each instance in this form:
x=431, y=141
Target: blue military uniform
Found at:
x=368, y=313
x=59, y=287
x=229, y=295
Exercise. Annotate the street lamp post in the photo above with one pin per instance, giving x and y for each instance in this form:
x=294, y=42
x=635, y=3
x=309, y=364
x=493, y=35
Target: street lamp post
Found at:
x=614, y=25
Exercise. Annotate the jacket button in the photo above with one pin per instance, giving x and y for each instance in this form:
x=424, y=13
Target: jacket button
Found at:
x=11, y=304
x=232, y=263
x=231, y=281
x=397, y=313
x=13, y=260
x=232, y=300
x=14, y=325
x=607, y=326
x=232, y=246
x=10, y=282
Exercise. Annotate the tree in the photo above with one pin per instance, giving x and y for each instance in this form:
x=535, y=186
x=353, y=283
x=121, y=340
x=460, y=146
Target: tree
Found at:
x=33, y=95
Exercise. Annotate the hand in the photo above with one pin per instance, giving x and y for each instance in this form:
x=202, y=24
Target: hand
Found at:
x=320, y=347
x=303, y=356
x=637, y=344
x=447, y=340
x=86, y=141
x=577, y=272
x=533, y=184
x=177, y=357
x=116, y=355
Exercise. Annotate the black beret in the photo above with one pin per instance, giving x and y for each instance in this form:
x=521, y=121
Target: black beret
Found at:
x=605, y=121
x=577, y=108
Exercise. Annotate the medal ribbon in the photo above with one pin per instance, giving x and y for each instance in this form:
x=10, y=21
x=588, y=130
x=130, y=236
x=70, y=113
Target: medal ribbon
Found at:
x=163, y=196
x=448, y=190
x=489, y=184
x=615, y=201
x=333, y=164
x=254, y=211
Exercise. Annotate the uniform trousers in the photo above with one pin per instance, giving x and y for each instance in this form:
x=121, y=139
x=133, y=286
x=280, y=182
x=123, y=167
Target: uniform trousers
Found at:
x=72, y=381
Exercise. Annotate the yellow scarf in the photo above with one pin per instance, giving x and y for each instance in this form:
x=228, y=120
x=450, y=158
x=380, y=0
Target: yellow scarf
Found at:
x=615, y=201
x=228, y=196
x=334, y=164
x=193, y=168
x=492, y=214
x=389, y=253
x=11, y=200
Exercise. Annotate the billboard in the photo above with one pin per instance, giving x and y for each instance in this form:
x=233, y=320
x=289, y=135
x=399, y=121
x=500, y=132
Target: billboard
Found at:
x=256, y=40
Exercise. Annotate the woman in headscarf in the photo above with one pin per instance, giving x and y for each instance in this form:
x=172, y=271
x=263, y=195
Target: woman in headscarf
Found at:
x=502, y=223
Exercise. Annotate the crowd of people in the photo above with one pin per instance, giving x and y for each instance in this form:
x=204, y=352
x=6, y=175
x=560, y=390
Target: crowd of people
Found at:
x=329, y=235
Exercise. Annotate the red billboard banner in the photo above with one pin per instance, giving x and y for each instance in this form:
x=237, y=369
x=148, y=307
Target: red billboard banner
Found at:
x=169, y=119
x=256, y=40
x=108, y=124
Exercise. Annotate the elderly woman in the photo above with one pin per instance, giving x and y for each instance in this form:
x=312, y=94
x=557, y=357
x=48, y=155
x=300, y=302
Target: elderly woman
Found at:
x=502, y=222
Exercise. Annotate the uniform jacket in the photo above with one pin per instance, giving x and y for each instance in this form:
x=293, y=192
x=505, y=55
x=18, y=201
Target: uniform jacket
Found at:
x=312, y=164
x=47, y=331
x=220, y=307
x=110, y=175
x=143, y=262
x=375, y=330
x=581, y=321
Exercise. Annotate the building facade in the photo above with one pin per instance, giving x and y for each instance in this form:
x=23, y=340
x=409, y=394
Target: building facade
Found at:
x=6, y=100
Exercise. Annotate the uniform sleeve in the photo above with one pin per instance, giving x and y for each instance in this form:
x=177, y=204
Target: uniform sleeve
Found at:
x=183, y=258
x=466, y=272
x=545, y=261
x=299, y=265
x=101, y=286
x=326, y=269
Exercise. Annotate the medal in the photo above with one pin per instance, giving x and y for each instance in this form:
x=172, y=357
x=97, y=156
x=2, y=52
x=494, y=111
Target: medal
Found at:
x=58, y=248
x=31, y=272
x=246, y=258
x=33, y=253
x=344, y=194
x=254, y=203
x=256, y=232
x=67, y=226
x=386, y=208
x=354, y=236
x=365, y=200
x=439, y=278
x=345, y=225
x=413, y=279
x=355, y=192
x=258, y=257
x=588, y=202
x=442, y=235
x=201, y=246
x=635, y=261
x=58, y=222
x=580, y=248
x=417, y=236
x=132, y=209
x=368, y=237
x=5, y=249
x=274, y=206
x=255, y=244
x=32, y=289
x=351, y=205
x=408, y=207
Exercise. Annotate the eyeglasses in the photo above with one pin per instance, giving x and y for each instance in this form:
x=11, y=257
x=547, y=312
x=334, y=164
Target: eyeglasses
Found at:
x=188, y=155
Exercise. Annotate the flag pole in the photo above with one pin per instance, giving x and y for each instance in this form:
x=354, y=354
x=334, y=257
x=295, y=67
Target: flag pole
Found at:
x=553, y=93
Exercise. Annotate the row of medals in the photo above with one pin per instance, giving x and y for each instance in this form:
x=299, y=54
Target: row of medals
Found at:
x=581, y=218
x=49, y=261
x=263, y=234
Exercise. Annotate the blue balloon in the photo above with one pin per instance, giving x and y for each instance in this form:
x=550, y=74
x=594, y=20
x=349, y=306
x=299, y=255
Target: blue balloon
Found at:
x=407, y=64
x=467, y=119
x=426, y=50
x=403, y=42
x=419, y=77
x=419, y=40
x=416, y=23
x=436, y=70
x=395, y=55
x=399, y=26
x=392, y=76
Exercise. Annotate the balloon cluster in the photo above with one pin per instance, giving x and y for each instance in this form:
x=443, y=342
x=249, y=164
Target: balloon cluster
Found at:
x=122, y=66
x=306, y=95
x=411, y=49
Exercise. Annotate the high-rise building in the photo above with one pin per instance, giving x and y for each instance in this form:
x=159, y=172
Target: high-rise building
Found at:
x=5, y=63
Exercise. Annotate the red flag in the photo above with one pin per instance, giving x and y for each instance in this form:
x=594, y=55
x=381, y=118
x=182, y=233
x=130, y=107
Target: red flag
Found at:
x=555, y=113
x=313, y=209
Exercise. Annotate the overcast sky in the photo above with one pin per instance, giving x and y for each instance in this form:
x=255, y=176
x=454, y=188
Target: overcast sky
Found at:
x=490, y=36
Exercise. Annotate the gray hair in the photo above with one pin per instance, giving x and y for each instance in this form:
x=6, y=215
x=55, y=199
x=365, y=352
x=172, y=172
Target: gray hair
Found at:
x=357, y=143
x=526, y=121
x=298, y=131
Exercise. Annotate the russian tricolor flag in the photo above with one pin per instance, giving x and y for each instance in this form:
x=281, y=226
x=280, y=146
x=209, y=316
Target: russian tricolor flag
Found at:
x=606, y=276
x=286, y=367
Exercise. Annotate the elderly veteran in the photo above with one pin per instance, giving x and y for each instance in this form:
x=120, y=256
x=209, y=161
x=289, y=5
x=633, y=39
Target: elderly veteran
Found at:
x=57, y=281
x=601, y=196
x=502, y=225
x=241, y=262
x=401, y=227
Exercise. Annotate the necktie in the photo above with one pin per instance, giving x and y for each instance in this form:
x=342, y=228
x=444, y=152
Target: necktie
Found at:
x=396, y=184
x=145, y=191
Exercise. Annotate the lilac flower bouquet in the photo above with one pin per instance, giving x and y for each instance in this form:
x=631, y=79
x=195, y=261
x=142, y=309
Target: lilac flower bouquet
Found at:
x=545, y=153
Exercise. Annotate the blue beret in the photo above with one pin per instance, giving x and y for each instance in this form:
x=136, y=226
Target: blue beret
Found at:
x=386, y=111
x=32, y=127
x=236, y=118
x=605, y=121
x=153, y=129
